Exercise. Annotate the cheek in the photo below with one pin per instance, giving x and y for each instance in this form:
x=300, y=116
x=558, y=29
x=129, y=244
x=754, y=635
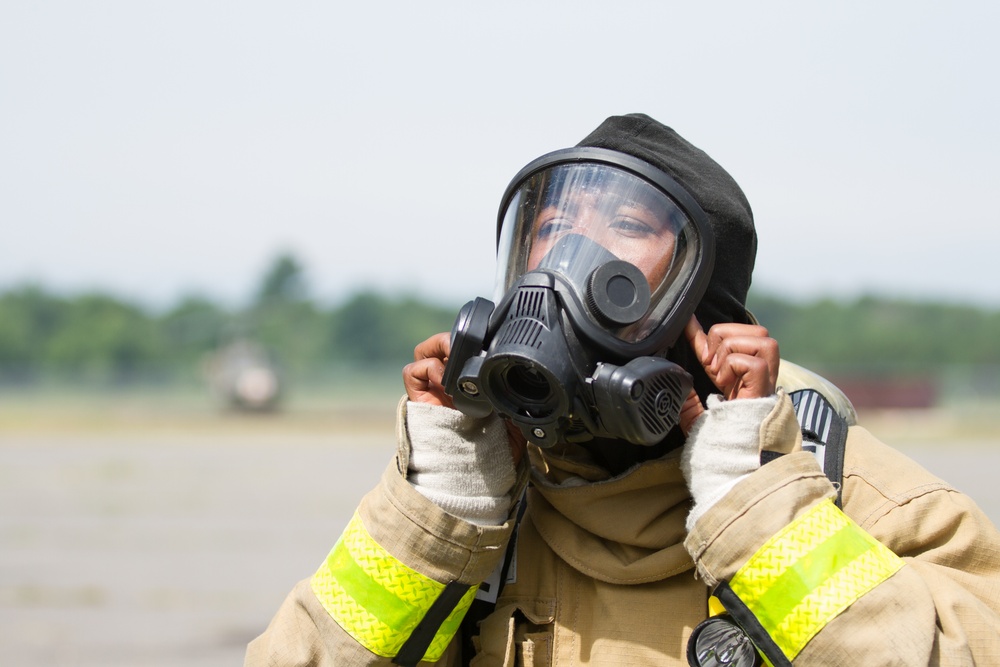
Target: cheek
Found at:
x=538, y=251
x=655, y=264
x=656, y=272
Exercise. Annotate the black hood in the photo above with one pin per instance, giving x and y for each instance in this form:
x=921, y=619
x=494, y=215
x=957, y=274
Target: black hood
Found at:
x=722, y=200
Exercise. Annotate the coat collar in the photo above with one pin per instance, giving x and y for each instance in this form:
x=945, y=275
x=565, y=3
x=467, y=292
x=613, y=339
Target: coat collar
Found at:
x=627, y=529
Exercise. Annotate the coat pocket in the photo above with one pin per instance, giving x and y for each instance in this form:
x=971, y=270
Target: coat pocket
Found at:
x=517, y=634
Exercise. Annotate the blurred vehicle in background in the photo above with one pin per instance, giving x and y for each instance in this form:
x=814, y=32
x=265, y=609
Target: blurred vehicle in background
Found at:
x=244, y=376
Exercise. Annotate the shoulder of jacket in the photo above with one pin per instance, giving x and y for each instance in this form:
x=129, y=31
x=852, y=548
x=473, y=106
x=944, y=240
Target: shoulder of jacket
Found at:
x=793, y=378
x=892, y=474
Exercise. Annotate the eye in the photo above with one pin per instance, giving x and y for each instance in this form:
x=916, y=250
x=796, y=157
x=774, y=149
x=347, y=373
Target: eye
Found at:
x=552, y=227
x=632, y=227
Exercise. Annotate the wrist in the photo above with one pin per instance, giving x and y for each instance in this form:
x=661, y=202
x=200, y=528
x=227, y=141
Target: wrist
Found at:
x=462, y=464
x=723, y=448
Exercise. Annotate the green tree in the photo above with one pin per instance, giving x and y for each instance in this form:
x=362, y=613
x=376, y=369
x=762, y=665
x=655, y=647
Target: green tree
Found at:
x=29, y=318
x=284, y=281
x=283, y=319
x=372, y=328
x=872, y=334
x=103, y=338
x=192, y=328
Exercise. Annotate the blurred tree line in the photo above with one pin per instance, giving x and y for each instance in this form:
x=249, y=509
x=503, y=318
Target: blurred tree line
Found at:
x=100, y=338
x=97, y=338
x=879, y=335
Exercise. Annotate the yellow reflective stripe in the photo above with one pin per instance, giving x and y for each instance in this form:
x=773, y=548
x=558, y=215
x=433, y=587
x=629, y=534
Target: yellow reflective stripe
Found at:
x=450, y=626
x=809, y=572
x=376, y=598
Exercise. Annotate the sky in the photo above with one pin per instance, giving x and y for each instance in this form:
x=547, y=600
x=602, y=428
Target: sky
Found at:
x=162, y=149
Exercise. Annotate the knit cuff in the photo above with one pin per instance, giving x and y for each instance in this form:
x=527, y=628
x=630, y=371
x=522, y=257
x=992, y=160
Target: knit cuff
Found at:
x=462, y=464
x=722, y=448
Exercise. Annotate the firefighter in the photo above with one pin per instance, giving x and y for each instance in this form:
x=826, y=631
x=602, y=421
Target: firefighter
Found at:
x=612, y=466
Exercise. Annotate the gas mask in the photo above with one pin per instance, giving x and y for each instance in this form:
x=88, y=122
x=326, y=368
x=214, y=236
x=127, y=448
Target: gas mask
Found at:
x=602, y=259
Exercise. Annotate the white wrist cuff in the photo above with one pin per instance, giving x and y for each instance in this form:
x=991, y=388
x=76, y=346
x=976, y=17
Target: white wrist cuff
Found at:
x=462, y=464
x=722, y=448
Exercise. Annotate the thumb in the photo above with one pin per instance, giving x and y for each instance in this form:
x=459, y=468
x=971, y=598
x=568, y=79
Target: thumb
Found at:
x=690, y=411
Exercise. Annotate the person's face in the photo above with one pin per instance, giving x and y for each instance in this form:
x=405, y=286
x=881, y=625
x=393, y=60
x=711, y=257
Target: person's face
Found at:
x=631, y=230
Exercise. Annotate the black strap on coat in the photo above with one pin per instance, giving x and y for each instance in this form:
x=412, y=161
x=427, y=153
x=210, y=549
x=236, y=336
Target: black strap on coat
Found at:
x=416, y=644
x=824, y=433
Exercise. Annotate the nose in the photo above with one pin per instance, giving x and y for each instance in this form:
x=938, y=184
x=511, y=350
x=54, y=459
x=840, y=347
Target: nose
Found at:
x=594, y=225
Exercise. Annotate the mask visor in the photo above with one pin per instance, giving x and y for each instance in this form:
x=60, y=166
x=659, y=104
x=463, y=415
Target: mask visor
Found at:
x=620, y=215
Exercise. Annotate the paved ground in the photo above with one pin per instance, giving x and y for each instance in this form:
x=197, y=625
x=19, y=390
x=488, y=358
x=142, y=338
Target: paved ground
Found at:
x=142, y=550
x=137, y=541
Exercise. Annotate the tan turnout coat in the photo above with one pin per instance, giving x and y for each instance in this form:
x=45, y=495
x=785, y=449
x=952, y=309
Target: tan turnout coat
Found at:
x=606, y=574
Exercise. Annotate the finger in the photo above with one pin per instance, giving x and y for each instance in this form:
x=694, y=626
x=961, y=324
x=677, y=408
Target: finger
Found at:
x=437, y=346
x=518, y=443
x=690, y=411
x=745, y=376
x=415, y=379
x=720, y=333
x=764, y=348
x=422, y=381
x=697, y=339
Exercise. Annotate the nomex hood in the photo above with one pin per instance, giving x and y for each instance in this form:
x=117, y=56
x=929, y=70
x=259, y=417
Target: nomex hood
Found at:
x=722, y=200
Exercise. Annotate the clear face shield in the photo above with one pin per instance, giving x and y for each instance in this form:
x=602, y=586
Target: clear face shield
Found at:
x=602, y=259
x=571, y=218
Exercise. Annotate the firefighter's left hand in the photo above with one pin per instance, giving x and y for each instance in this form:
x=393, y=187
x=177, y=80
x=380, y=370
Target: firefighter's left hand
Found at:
x=740, y=359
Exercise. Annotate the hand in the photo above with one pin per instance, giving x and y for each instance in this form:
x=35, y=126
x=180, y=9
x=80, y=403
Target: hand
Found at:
x=423, y=378
x=740, y=359
x=423, y=382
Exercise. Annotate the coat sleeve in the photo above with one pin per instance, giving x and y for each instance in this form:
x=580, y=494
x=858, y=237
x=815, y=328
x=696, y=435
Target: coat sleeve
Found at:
x=907, y=574
x=400, y=561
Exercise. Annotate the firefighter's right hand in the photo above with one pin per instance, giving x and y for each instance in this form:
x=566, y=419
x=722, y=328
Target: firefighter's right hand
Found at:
x=465, y=465
x=423, y=379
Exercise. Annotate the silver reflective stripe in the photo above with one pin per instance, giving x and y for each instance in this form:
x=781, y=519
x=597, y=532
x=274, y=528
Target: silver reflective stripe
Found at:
x=814, y=414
